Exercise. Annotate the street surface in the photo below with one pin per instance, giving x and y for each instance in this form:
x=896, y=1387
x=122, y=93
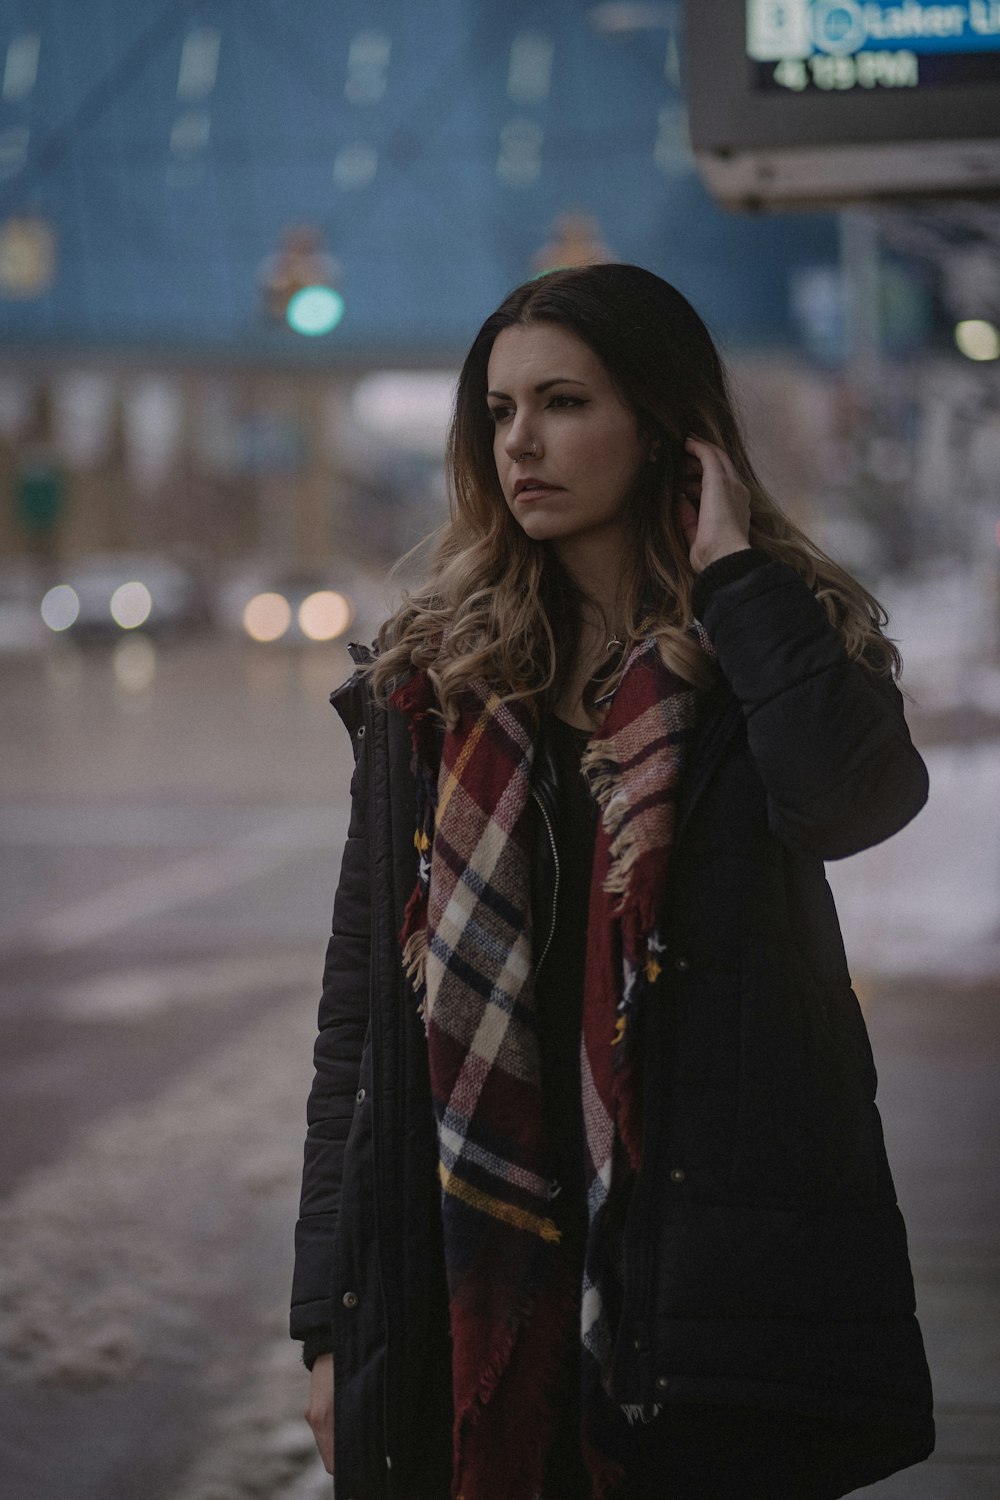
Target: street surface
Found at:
x=170, y=833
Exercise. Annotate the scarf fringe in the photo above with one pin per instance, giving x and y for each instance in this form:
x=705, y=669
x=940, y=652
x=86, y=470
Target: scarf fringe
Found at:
x=415, y=967
x=640, y=1415
x=604, y=779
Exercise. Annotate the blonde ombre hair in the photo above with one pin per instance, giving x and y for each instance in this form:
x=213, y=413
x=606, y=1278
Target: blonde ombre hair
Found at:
x=499, y=606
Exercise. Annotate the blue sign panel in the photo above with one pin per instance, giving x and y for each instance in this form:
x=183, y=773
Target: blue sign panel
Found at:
x=841, y=45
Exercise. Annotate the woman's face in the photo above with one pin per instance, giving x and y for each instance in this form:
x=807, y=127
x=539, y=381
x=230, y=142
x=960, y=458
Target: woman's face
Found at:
x=567, y=448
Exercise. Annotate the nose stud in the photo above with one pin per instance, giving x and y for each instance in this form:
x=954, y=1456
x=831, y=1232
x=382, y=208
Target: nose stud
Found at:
x=528, y=453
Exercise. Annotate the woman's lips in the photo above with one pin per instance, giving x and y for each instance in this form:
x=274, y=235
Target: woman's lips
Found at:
x=536, y=491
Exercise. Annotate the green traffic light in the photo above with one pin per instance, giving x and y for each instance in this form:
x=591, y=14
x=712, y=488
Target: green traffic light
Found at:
x=314, y=310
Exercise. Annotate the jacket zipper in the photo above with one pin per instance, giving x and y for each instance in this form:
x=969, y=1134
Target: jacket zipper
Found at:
x=641, y=1202
x=377, y=1125
x=555, y=885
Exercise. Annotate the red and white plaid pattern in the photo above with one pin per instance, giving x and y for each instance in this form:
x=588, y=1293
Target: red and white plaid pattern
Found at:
x=467, y=947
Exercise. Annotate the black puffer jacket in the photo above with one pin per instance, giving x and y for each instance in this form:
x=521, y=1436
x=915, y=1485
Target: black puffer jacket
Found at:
x=766, y=1257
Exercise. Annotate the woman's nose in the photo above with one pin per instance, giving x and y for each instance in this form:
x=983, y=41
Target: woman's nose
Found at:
x=520, y=439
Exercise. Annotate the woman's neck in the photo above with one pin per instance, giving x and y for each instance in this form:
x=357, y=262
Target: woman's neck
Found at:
x=595, y=562
x=594, y=642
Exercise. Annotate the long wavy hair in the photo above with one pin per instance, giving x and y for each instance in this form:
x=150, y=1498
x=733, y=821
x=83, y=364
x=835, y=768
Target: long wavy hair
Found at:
x=499, y=606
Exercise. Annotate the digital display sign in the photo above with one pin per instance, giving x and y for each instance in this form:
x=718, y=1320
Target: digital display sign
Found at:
x=838, y=46
x=813, y=103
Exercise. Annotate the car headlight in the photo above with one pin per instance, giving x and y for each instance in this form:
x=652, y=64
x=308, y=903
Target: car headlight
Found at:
x=60, y=607
x=131, y=604
x=267, y=617
x=325, y=615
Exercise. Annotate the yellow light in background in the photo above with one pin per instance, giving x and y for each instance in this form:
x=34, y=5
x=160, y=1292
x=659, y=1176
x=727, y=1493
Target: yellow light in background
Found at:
x=27, y=253
x=134, y=664
x=60, y=607
x=267, y=617
x=325, y=615
x=978, y=339
x=131, y=604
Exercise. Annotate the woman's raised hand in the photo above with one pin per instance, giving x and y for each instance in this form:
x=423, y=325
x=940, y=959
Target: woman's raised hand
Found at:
x=714, y=505
x=319, y=1411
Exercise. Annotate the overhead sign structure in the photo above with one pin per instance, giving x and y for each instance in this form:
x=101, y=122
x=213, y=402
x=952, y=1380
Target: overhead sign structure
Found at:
x=812, y=102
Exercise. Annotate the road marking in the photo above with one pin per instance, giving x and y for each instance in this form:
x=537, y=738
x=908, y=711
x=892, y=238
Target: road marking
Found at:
x=178, y=884
x=153, y=825
x=125, y=994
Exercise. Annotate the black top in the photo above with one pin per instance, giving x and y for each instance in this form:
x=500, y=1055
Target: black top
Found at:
x=560, y=982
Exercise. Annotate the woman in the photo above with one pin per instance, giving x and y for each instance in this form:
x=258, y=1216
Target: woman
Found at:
x=595, y=1197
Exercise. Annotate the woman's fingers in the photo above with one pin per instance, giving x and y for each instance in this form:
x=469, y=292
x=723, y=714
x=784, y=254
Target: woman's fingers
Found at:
x=723, y=515
x=702, y=449
x=713, y=460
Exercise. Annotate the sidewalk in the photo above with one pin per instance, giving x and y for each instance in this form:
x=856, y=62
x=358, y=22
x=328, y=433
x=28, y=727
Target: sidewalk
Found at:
x=938, y=1046
x=921, y=919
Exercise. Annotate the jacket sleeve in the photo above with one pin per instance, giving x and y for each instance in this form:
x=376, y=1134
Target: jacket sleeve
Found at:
x=343, y=1023
x=827, y=734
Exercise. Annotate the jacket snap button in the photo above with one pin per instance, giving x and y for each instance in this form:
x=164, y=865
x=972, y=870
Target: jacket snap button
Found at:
x=361, y=1096
x=361, y=731
x=681, y=964
x=677, y=1175
x=350, y=1299
x=662, y=1383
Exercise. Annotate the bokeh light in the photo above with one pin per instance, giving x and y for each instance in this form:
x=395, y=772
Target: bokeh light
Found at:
x=324, y=615
x=267, y=617
x=60, y=607
x=978, y=339
x=131, y=604
x=315, y=310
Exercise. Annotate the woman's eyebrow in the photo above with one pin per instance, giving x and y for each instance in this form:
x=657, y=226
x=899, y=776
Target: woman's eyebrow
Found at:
x=543, y=386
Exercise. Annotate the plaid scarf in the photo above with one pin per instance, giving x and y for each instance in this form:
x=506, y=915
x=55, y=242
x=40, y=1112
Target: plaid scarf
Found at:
x=467, y=949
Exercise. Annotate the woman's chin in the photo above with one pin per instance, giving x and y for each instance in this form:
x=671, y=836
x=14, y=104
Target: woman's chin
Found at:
x=544, y=528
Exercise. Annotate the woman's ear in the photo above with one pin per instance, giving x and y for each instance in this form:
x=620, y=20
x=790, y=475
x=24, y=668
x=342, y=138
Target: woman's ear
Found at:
x=655, y=449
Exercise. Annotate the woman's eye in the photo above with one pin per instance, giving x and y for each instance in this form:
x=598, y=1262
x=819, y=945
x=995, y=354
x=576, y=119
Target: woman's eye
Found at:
x=499, y=414
x=566, y=401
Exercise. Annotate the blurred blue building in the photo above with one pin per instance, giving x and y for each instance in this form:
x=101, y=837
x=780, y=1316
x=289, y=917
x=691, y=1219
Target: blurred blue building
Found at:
x=154, y=157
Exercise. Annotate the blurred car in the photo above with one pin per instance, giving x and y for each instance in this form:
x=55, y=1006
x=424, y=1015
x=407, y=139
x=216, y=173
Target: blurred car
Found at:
x=107, y=594
x=293, y=606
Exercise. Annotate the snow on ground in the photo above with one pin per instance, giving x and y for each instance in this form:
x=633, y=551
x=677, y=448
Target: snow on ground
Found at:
x=947, y=626
x=928, y=900
x=163, y=1243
